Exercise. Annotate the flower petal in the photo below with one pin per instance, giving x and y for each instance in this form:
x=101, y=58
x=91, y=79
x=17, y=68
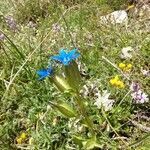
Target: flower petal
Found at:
x=57, y=58
x=42, y=73
x=75, y=56
x=72, y=52
x=62, y=53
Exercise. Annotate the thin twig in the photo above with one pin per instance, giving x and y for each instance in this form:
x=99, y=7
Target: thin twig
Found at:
x=140, y=126
x=104, y=115
x=139, y=141
x=115, y=66
x=122, y=100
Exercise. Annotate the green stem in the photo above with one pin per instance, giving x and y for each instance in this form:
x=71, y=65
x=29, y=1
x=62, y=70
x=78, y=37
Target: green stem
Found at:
x=84, y=113
x=63, y=85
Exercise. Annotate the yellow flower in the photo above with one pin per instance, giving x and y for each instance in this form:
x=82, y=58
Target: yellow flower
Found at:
x=116, y=82
x=122, y=65
x=113, y=81
x=23, y=136
x=129, y=66
x=120, y=84
x=19, y=140
x=125, y=67
x=116, y=78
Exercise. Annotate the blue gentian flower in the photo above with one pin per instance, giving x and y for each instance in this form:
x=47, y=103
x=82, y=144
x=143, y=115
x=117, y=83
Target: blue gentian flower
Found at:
x=66, y=57
x=43, y=73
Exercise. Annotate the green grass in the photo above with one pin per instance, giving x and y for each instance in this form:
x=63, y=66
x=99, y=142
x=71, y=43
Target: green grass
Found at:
x=24, y=99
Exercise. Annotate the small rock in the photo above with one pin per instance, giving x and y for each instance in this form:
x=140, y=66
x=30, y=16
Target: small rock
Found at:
x=116, y=17
x=126, y=52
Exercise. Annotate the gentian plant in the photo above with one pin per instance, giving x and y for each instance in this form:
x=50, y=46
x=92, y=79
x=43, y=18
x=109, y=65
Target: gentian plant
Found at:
x=70, y=82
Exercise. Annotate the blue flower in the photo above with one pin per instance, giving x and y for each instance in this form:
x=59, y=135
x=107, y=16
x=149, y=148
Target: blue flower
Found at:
x=66, y=57
x=43, y=73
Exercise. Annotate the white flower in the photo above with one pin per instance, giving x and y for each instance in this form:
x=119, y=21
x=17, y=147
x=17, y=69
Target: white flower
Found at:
x=75, y=125
x=104, y=101
x=116, y=17
x=90, y=89
x=57, y=28
x=140, y=97
x=126, y=52
x=145, y=72
x=144, y=98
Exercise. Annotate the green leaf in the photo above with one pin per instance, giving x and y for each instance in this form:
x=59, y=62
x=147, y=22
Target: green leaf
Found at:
x=61, y=83
x=78, y=140
x=65, y=109
x=91, y=144
x=73, y=75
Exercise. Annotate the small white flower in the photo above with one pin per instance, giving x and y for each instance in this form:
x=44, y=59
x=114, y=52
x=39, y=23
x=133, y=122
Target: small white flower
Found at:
x=57, y=28
x=31, y=24
x=126, y=52
x=140, y=97
x=75, y=125
x=145, y=72
x=104, y=101
x=90, y=89
x=136, y=95
x=145, y=97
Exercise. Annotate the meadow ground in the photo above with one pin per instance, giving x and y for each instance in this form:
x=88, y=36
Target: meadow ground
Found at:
x=31, y=32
